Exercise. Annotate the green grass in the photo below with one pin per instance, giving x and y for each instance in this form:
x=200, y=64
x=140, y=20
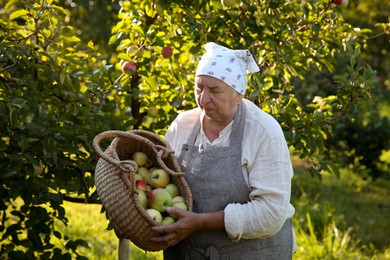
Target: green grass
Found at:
x=341, y=219
x=87, y=223
x=335, y=219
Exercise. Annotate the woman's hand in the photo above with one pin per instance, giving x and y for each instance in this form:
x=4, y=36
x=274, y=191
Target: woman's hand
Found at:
x=187, y=223
x=172, y=234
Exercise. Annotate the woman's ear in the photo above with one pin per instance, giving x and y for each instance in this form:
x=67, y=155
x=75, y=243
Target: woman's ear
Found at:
x=239, y=97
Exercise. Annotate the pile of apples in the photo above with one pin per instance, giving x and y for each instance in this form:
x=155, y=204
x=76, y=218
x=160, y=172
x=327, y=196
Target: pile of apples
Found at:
x=155, y=190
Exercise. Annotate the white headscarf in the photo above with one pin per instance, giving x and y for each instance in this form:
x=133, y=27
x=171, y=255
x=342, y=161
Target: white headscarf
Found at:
x=230, y=66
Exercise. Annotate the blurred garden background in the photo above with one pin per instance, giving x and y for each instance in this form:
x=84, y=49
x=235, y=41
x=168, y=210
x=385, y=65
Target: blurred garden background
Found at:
x=324, y=76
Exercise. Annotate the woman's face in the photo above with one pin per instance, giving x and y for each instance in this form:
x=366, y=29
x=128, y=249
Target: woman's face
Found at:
x=217, y=99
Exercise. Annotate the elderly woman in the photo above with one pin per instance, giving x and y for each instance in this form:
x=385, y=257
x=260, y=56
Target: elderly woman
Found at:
x=238, y=166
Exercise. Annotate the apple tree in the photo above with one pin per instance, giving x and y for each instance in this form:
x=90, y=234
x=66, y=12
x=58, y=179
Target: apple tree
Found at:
x=50, y=92
x=58, y=90
x=291, y=40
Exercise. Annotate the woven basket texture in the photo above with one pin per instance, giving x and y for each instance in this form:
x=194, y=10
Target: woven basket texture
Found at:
x=118, y=194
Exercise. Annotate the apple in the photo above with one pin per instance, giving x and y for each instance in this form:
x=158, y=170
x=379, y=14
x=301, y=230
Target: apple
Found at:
x=129, y=67
x=130, y=50
x=244, y=6
x=159, y=7
x=138, y=177
x=148, y=188
x=143, y=171
x=155, y=215
x=153, y=112
x=159, y=199
x=148, y=163
x=38, y=169
x=172, y=189
x=140, y=158
x=341, y=2
x=179, y=205
x=152, y=169
x=122, y=62
x=159, y=178
x=229, y=2
x=168, y=220
x=167, y=52
x=143, y=199
x=178, y=199
x=140, y=185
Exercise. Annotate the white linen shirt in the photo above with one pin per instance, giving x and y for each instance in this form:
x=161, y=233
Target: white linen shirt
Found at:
x=266, y=166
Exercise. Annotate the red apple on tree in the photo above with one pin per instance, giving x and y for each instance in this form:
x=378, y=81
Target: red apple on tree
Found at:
x=129, y=67
x=159, y=199
x=340, y=2
x=166, y=52
x=159, y=178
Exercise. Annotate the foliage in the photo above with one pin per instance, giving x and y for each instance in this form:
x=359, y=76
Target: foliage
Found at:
x=48, y=113
x=290, y=40
x=59, y=89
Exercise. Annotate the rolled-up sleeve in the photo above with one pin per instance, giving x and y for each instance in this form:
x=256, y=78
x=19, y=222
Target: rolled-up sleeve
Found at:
x=269, y=177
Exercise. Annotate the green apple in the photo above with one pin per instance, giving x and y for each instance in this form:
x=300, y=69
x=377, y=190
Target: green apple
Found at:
x=152, y=169
x=172, y=189
x=155, y=215
x=140, y=158
x=138, y=177
x=179, y=205
x=143, y=171
x=159, y=178
x=143, y=199
x=153, y=112
x=159, y=199
x=178, y=199
x=148, y=188
x=168, y=220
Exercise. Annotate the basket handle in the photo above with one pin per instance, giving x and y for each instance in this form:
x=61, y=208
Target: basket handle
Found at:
x=164, y=152
x=125, y=166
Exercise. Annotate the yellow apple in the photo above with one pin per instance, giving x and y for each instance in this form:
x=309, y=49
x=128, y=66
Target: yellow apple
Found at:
x=140, y=158
x=168, y=220
x=155, y=215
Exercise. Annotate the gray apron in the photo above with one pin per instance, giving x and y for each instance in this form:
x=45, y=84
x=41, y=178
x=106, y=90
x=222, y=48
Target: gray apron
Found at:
x=216, y=180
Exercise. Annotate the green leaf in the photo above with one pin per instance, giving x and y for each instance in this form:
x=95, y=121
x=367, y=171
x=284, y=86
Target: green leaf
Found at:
x=9, y=3
x=18, y=14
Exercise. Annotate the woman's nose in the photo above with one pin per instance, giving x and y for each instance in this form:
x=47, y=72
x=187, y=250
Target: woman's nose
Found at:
x=204, y=97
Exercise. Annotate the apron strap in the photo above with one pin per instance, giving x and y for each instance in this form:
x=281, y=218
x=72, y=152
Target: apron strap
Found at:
x=235, y=136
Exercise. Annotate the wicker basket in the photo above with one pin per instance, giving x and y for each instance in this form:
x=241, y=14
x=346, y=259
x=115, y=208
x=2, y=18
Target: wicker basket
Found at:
x=119, y=196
